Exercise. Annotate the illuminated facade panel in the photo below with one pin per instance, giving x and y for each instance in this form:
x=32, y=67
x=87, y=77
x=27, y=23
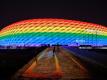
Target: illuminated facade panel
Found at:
x=53, y=31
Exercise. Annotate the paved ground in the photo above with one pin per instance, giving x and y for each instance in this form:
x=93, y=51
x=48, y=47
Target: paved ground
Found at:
x=54, y=63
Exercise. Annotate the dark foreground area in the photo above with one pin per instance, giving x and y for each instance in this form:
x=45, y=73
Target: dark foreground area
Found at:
x=11, y=60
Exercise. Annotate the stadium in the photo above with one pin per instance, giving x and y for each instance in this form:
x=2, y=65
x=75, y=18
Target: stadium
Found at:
x=53, y=49
x=36, y=32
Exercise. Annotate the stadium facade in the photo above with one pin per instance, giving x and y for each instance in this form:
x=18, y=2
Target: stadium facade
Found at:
x=35, y=32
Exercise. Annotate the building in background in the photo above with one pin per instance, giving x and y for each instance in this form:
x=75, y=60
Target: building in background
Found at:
x=36, y=32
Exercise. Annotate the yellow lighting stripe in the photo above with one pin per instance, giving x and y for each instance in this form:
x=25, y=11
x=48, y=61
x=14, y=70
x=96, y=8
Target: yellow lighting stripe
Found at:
x=58, y=68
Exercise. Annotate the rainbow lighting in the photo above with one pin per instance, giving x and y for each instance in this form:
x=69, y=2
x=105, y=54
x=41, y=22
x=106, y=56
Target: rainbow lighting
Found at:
x=35, y=32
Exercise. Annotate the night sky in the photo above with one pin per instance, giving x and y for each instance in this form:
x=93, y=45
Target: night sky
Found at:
x=87, y=10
